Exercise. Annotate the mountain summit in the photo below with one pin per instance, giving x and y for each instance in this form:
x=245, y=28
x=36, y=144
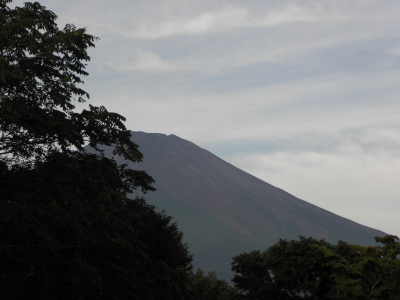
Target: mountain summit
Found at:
x=224, y=211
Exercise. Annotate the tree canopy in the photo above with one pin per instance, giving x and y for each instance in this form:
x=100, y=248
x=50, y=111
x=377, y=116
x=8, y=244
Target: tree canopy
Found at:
x=315, y=269
x=68, y=232
x=67, y=227
x=287, y=270
x=41, y=73
x=360, y=272
x=209, y=287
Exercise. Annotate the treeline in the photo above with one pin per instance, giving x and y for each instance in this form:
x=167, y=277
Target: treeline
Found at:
x=314, y=269
x=309, y=269
x=67, y=227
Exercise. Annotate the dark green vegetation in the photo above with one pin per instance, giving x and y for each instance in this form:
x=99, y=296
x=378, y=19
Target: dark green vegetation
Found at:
x=67, y=228
x=314, y=269
x=209, y=287
x=223, y=210
x=68, y=231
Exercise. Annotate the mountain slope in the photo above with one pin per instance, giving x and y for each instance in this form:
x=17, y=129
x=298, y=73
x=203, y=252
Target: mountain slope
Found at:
x=224, y=211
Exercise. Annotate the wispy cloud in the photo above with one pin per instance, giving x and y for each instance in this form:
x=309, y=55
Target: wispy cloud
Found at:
x=140, y=60
x=227, y=18
x=233, y=37
x=203, y=23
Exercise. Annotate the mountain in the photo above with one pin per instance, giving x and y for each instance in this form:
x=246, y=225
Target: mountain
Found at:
x=224, y=211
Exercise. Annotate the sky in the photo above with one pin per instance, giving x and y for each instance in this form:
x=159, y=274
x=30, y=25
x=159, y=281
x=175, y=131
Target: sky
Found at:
x=304, y=95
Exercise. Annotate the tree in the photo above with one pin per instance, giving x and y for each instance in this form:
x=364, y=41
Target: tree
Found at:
x=360, y=272
x=286, y=270
x=315, y=269
x=67, y=231
x=40, y=72
x=209, y=287
x=253, y=278
x=67, y=228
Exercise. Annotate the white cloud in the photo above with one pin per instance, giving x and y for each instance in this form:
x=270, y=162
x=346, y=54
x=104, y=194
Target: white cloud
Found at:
x=227, y=18
x=140, y=60
x=220, y=36
x=309, y=108
x=295, y=44
x=205, y=22
x=292, y=13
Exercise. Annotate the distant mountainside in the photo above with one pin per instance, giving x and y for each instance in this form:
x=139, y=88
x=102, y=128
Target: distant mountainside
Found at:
x=224, y=211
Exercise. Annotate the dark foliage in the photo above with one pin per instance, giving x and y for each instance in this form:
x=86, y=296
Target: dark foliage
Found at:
x=315, y=269
x=286, y=270
x=365, y=272
x=40, y=72
x=209, y=287
x=69, y=232
x=67, y=229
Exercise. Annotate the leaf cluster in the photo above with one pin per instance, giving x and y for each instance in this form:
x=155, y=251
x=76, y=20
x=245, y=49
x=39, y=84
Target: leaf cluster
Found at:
x=41, y=69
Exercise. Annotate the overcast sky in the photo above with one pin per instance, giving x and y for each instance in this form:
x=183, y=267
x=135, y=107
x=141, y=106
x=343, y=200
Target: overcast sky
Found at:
x=302, y=94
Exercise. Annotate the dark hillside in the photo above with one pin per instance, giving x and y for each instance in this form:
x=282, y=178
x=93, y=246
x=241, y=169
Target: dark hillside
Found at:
x=224, y=211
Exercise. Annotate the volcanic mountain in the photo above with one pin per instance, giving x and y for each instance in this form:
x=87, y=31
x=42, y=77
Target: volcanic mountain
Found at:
x=224, y=211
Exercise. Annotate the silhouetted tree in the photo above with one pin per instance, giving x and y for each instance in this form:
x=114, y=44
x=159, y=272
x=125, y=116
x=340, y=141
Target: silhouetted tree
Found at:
x=40, y=75
x=67, y=228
